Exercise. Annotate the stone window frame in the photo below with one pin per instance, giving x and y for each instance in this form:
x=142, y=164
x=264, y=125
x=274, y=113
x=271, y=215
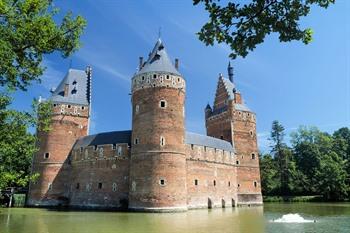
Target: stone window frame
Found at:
x=114, y=187
x=255, y=183
x=253, y=156
x=162, y=182
x=46, y=155
x=119, y=150
x=196, y=182
x=214, y=182
x=162, y=141
x=163, y=102
x=137, y=108
x=237, y=162
x=136, y=141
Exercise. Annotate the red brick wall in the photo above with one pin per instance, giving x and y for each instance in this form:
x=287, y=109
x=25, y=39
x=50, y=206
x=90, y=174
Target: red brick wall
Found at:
x=67, y=126
x=151, y=162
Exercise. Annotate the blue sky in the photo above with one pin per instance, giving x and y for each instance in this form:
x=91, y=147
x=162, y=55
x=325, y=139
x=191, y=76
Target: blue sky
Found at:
x=290, y=82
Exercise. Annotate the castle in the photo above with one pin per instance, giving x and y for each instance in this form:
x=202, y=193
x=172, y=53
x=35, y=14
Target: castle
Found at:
x=156, y=166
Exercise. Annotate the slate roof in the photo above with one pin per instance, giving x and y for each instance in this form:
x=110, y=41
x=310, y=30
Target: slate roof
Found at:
x=203, y=140
x=113, y=137
x=158, y=61
x=79, y=90
x=116, y=137
x=242, y=107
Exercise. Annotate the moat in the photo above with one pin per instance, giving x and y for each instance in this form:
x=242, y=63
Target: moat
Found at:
x=330, y=217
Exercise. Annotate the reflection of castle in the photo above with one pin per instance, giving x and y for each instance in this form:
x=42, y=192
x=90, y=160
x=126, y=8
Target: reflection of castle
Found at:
x=157, y=166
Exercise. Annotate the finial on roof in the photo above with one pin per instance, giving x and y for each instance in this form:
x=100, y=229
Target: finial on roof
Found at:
x=208, y=107
x=159, y=32
x=230, y=71
x=220, y=75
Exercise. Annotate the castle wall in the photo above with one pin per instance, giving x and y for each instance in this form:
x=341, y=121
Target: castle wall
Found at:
x=100, y=176
x=211, y=177
x=49, y=162
x=158, y=163
x=248, y=172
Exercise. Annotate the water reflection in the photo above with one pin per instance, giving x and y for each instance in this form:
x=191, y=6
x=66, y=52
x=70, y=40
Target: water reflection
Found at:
x=229, y=220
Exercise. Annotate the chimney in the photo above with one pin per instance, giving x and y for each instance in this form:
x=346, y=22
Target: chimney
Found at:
x=230, y=72
x=66, y=90
x=177, y=63
x=140, y=62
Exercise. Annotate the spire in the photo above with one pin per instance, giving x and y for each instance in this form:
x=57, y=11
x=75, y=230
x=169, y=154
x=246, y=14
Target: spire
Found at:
x=158, y=61
x=230, y=72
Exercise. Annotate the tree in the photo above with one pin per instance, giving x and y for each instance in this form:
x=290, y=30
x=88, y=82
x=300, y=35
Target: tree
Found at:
x=269, y=175
x=242, y=27
x=17, y=145
x=27, y=32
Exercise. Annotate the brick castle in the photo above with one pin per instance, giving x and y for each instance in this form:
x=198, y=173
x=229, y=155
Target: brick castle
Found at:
x=156, y=166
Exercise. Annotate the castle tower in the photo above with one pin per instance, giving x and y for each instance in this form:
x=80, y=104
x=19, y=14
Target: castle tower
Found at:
x=158, y=161
x=70, y=121
x=231, y=120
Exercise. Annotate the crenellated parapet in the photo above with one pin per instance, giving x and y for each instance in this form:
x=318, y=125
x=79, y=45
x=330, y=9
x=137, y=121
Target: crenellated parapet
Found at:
x=158, y=79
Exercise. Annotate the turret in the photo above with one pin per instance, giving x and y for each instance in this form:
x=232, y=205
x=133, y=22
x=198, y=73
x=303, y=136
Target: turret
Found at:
x=158, y=161
x=69, y=121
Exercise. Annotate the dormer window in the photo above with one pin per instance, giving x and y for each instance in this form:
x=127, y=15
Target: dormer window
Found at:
x=74, y=82
x=74, y=91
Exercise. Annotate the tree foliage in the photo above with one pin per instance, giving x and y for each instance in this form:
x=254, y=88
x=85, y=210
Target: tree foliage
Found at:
x=17, y=145
x=243, y=26
x=316, y=164
x=27, y=32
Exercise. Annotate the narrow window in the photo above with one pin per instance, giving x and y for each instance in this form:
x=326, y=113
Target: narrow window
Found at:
x=239, y=185
x=75, y=111
x=251, y=133
x=154, y=76
x=162, y=182
x=205, y=148
x=162, y=104
x=255, y=184
x=136, y=141
x=69, y=106
x=143, y=78
x=237, y=162
x=167, y=77
x=114, y=187
x=191, y=146
x=99, y=185
x=95, y=147
x=196, y=182
x=81, y=149
x=62, y=108
x=119, y=150
x=137, y=108
x=214, y=182
x=162, y=141
x=46, y=155
x=49, y=186
x=229, y=184
x=77, y=186
x=82, y=107
x=178, y=79
x=114, y=146
x=253, y=156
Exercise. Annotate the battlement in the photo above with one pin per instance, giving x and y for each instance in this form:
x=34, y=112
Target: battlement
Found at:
x=158, y=79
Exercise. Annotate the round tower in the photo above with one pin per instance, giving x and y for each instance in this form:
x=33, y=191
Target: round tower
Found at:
x=69, y=121
x=158, y=161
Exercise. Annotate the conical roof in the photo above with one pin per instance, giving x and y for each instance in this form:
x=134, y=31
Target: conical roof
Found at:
x=78, y=88
x=158, y=61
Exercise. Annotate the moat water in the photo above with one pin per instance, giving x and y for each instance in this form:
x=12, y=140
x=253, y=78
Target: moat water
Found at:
x=296, y=217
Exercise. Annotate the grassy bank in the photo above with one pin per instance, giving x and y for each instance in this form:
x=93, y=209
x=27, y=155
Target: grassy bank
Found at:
x=293, y=198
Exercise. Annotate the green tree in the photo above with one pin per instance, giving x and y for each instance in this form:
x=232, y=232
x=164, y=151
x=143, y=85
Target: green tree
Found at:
x=28, y=31
x=243, y=26
x=331, y=177
x=269, y=175
x=17, y=145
